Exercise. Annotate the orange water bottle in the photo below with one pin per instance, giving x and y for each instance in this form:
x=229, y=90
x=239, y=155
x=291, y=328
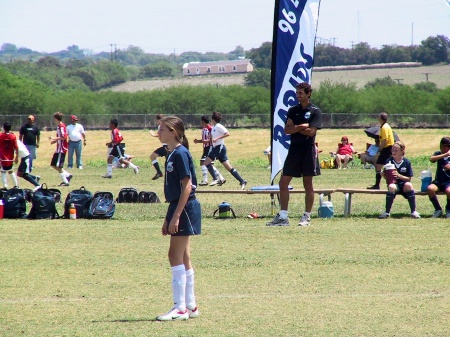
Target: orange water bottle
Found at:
x=72, y=212
x=1, y=208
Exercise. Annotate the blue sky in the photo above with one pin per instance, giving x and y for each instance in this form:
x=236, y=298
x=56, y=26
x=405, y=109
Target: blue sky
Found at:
x=208, y=25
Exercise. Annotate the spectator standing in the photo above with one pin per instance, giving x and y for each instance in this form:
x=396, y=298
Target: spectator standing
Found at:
x=303, y=121
x=386, y=142
x=30, y=135
x=219, y=151
x=403, y=173
x=116, y=151
x=183, y=218
x=8, y=154
x=76, y=137
x=207, y=143
x=61, y=149
x=442, y=178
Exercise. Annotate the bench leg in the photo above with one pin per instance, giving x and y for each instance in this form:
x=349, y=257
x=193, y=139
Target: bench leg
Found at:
x=321, y=195
x=348, y=204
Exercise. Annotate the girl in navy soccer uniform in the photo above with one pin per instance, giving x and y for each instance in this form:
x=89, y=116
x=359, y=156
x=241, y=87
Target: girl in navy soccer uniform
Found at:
x=403, y=186
x=183, y=217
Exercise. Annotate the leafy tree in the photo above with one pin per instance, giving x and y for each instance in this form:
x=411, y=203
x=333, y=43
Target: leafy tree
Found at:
x=160, y=69
x=8, y=48
x=262, y=56
x=426, y=86
x=237, y=53
x=48, y=62
x=381, y=82
x=258, y=78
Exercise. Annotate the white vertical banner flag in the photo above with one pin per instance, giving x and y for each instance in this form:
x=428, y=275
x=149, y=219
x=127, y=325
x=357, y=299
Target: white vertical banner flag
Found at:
x=294, y=34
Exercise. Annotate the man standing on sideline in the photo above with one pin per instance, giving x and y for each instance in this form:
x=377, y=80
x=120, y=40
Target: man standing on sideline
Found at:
x=30, y=134
x=386, y=142
x=76, y=135
x=302, y=123
x=61, y=149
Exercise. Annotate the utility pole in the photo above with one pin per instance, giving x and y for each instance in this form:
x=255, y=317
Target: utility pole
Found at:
x=398, y=80
x=412, y=34
x=115, y=52
x=426, y=75
x=111, y=54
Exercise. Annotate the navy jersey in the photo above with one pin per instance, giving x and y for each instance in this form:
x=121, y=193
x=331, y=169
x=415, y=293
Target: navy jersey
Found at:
x=311, y=115
x=179, y=165
x=404, y=167
x=442, y=176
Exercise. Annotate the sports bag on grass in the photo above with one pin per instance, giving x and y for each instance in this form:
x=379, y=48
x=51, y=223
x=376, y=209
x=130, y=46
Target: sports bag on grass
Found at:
x=225, y=211
x=15, y=204
x=148, y=197
x=128, y=194
x=102, y=206
x=43, y=204
x=56, y=193
x=81, y=198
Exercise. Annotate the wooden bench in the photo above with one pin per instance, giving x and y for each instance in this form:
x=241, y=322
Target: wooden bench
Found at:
x=350, y=191
x=272, y=193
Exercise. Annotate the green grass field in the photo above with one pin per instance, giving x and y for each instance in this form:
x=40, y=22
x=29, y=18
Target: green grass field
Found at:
x=354, y=276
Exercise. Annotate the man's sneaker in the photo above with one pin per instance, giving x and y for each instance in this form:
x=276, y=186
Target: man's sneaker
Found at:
x=447, y=214
x=277, y=221
x=64, y=184
x=221, y=182
x=38, y=179
x=214, y=182
x=415, y=215
x=193, y=313
x=136, y=170
x=384, y=215
x=80, y=167
x=107, y=176
x=69, y=178
x=437, y=213
x=203, y=183
x=157, y=176
x=243, y=184
x=174, y=315
x=305, y=220
x=374, y=187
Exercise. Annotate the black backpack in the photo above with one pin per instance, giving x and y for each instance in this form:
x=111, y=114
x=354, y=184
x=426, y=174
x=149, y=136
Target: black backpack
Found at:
x=15, y=204
x=43, y=204
x=81, y=198
x=128, y=194
x=102, y=206
x=56, y=193
x=148, y=197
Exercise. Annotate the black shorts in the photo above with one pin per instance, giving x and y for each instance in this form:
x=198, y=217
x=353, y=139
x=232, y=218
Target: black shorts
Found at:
x=58, y=159
x=218, y=152
x=24, y=165
x=161, y=151
x=117, y=151
x=301, y=161
x=385, y=154
x=441, y=186
x=7, y=167
x=190, y=220
x=205, y=153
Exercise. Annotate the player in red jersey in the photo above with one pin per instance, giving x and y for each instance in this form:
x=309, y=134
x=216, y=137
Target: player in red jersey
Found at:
x=117, y=150
x=61, y=149
x=8, y=154
x=207, y=142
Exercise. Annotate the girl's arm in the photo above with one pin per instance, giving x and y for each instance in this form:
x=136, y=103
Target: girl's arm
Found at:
x=225, y=135
x=185, y=192
x=434, y=159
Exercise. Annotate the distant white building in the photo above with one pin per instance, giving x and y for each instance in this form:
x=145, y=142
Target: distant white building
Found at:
x=217, y=67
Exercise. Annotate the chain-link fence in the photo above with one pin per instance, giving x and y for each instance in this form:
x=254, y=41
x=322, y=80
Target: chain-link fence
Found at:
x=142, y=121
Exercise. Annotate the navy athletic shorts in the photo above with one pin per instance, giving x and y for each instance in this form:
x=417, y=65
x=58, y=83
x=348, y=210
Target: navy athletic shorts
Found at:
x=161, y=151
x=301, y=161
x=218, y=152
x=190, y=220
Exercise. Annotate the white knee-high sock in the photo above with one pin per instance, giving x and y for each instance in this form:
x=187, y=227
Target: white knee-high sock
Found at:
x=179, y=286
x=109, y=169
x=204, y=173
x=190, y=296
x=63, y=177
x=218, y=173
x=4, y=179
x=14, y=178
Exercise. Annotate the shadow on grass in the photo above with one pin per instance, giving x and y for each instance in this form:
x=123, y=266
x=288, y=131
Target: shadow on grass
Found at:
x=128, y=320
